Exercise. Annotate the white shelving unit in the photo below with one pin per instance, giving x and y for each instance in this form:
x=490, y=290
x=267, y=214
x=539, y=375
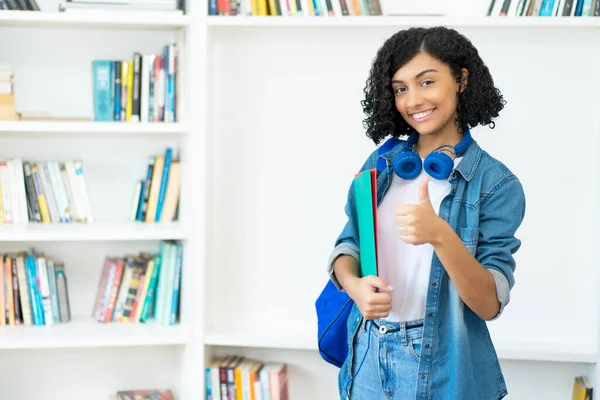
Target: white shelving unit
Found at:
x=51, y=55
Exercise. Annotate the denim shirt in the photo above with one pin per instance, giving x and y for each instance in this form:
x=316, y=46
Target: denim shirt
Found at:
x=485, y=207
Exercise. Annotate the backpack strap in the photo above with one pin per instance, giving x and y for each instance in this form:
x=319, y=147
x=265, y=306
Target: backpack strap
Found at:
x=384, y=148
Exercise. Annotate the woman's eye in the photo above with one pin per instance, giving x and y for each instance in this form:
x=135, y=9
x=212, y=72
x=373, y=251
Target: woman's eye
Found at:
x=400, y=90
x=427, y=82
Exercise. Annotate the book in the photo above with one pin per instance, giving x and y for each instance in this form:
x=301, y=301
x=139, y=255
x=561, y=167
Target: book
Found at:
x=365, y=191
x=582, y=389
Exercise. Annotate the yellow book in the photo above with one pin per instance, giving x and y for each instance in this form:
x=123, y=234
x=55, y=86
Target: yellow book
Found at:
x=129, y=107
x=262, y=8
x=41, y=197
x=273, y=7
x=582, y=389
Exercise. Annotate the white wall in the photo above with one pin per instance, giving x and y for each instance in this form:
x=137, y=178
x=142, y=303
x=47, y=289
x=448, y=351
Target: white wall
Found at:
x=286, y=139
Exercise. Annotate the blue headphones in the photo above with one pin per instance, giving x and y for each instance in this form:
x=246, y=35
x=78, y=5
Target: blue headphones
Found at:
x=438, y=165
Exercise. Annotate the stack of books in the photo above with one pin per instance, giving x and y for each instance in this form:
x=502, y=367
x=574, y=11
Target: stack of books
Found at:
x=139, y=89
x=141, y=288
x=8, y=108
x=544, y=8
x=91, y=6
x=156, y=196
x=43, y=191
x=33, y=290
x=333, y=8
x=238, y=377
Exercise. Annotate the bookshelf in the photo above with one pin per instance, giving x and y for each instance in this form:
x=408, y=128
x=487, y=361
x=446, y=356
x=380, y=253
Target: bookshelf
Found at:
x=101, y=358
x=398, y=21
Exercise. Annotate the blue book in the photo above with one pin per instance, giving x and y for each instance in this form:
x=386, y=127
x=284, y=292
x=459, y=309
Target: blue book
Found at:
x=163, y=183
x=102, y=85
x=176, y=283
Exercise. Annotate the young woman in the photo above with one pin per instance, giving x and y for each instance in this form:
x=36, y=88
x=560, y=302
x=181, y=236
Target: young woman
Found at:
x=447, y=215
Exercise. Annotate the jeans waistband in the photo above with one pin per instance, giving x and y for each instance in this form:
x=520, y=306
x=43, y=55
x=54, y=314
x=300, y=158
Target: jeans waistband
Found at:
x=383, y=328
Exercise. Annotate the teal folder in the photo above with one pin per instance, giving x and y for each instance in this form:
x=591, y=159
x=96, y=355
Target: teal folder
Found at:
x=365, y=192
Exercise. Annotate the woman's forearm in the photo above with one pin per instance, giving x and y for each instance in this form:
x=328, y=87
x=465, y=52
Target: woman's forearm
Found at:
x=345, y=269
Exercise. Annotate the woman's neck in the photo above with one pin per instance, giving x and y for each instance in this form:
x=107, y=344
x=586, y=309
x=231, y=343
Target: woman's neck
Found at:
x=427, y=143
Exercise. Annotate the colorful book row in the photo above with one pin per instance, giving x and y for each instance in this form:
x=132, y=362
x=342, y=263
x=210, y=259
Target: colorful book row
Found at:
x=156, y=197
x=239, y=378
x=294, y=7
x=43, y=191
x=33, y=290
x=142, y=89
x=141, y=288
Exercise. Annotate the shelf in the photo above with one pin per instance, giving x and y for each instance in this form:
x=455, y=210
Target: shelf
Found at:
x=399, y=21
x=290, y=339
x=54, y=128
x=96, y=231
x=90, y=333
x=95, y=19
x=299, y=340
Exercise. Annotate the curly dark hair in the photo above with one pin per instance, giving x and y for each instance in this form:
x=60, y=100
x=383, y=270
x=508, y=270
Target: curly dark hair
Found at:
x=478, y=103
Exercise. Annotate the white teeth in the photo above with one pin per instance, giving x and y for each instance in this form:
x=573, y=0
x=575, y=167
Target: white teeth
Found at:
x=422, y=114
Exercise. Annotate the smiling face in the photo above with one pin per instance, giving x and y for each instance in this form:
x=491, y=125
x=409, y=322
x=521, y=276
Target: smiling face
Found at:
x=425, y=93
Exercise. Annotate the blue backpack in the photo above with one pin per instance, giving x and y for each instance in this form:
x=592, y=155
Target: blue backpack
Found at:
x=333, y=306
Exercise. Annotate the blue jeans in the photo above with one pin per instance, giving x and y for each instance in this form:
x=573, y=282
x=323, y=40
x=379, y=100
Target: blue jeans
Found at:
x=385, y=361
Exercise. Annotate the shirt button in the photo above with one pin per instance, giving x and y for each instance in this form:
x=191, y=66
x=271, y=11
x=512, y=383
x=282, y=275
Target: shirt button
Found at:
x=430, y=315
x=422, y=376
x=434, y=284
x=427, y=346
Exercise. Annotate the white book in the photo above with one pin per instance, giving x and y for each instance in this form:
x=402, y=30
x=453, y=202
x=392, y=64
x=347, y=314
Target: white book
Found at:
x=42, y=270
x=76, y=190
x=49, y=192
x=62, y=200
x=20, y=189
x=87, y=207
x=145, y=95
x=73, y=210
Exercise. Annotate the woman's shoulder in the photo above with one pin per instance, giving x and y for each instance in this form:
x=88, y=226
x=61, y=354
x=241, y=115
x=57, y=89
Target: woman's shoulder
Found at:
x=493, y=174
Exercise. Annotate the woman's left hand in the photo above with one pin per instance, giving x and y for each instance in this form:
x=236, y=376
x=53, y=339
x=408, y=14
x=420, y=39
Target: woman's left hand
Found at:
x=418, y=223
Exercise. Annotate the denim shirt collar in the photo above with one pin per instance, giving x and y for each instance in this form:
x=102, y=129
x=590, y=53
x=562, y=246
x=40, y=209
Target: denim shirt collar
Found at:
x=466, y=167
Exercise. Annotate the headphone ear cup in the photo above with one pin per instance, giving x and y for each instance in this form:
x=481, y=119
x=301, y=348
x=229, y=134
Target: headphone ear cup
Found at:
x=407, y=165
x=438, y=165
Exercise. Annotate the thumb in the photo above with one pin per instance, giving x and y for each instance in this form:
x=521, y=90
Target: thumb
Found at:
x=424, y=191
x=378, y=282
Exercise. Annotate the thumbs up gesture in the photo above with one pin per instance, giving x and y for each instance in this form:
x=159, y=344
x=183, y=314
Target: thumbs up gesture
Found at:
x=418, y=223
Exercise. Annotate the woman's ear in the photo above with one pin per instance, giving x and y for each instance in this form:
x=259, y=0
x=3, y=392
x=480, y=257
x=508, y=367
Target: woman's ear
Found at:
x=464, y=80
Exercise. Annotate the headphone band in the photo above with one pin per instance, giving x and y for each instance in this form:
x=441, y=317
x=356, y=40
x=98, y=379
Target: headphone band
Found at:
x=460, y=148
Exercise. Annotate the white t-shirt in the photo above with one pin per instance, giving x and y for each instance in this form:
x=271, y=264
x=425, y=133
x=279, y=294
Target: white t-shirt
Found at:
x=404, y=266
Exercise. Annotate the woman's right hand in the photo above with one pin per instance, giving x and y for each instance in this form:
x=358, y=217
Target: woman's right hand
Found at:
x=372, y=304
